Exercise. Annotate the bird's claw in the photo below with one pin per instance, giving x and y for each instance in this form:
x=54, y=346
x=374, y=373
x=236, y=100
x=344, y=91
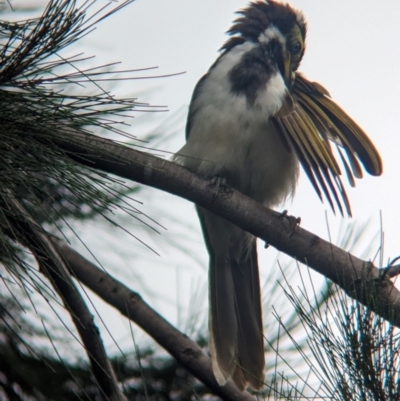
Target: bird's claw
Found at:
x=220, y=186
x=217, y=182
x=294, y=222
x=283, y=214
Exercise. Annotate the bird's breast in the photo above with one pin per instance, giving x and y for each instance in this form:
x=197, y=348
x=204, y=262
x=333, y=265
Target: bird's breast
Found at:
x=234, y=139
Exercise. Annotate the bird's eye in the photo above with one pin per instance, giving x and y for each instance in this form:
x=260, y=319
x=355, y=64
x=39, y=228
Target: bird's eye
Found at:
x=295, y=47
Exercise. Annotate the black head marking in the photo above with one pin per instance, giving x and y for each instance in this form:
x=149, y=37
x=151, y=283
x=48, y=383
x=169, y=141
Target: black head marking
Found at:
x=252, y=73
x=261, y=15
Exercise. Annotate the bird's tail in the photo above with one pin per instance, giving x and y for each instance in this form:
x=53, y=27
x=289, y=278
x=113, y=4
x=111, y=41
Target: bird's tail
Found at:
x=235, y=320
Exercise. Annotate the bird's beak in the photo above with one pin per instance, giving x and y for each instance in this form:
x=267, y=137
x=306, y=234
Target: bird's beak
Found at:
x=287, y=73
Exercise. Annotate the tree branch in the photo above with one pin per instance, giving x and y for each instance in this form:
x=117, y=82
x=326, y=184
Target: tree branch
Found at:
x=23, y=229
x=360, y=279
x=131, y=305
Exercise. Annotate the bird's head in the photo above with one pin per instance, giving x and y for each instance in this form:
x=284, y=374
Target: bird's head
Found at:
x=277, y=28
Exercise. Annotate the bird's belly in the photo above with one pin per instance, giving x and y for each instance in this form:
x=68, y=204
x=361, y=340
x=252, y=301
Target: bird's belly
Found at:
x=269, y=170
x=250, y=155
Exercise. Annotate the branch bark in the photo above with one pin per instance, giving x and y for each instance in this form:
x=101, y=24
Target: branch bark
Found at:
x=131, y=305
x=359, y=279
x=23, y=229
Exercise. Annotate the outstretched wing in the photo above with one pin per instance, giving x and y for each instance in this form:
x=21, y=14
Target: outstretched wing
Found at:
x=312, y=125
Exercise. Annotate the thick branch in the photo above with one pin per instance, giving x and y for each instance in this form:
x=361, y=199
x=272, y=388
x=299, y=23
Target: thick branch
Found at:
x=360, y=279
x=23, y=229
x=131, y=305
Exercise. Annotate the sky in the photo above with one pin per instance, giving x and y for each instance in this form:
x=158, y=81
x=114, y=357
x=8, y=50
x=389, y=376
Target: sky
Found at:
x=352, y=49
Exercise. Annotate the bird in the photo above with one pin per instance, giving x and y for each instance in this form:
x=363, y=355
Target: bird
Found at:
x=253, y=120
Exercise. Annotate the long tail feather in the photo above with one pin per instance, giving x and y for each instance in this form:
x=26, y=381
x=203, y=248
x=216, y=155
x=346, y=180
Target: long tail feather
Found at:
x=235, y=319
x=249, y=316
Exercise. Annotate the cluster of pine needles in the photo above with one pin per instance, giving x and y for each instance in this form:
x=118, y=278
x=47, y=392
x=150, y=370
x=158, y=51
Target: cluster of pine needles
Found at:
x=41, y=101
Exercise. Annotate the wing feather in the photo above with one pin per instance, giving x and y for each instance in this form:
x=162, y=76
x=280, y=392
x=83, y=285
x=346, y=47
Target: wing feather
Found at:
x=344, y=127
x=307, y=159
x=315, y=121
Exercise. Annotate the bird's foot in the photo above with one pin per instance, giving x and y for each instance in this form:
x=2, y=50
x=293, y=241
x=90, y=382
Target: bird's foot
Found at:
x=218, y=182
x=283, y=214
x=220, y=186
x=294, y=222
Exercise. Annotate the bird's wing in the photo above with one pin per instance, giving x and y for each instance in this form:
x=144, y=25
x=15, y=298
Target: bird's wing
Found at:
x=311, y=125
x=192, y=110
